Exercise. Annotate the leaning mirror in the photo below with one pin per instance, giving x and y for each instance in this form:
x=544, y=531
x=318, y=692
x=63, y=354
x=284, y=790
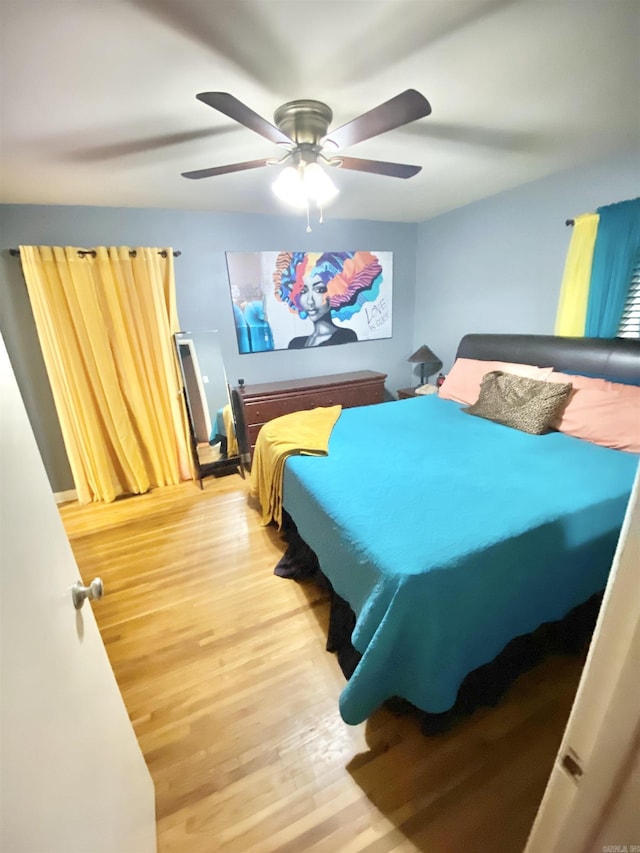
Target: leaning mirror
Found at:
x=206, y=393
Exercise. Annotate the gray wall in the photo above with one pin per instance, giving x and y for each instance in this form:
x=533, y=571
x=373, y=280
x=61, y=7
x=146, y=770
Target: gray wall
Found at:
x=492, y=266
x=202, y=292
x=496, y=265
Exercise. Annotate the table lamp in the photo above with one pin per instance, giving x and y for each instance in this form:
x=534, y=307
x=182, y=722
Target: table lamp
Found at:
x=428, y=361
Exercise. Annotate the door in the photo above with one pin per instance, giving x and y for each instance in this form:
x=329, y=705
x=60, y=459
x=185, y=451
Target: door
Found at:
x=73, y=779
x=591, y=801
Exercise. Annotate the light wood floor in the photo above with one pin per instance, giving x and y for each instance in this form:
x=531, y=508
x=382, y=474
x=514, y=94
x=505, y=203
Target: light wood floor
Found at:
x=235, y=701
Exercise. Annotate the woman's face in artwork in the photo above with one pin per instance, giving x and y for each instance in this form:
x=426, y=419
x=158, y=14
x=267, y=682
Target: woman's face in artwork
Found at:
x=314, y=297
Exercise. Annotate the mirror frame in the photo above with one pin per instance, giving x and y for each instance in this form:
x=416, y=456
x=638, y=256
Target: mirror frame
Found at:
x=218, y=467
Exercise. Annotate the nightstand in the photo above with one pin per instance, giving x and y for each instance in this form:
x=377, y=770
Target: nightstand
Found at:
x=405, y=393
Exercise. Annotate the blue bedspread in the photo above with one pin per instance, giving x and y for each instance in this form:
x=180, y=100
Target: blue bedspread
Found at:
x=450, y=535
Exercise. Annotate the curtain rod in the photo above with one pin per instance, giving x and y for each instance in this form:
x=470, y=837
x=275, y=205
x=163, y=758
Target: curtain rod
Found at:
x=82, y=252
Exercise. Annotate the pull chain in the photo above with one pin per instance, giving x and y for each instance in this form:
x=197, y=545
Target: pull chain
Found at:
x=308, y=223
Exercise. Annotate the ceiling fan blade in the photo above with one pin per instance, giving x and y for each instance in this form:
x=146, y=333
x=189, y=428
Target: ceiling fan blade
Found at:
x=225, y=170
x=378, y=167
x=408, y=106
x=235, y=109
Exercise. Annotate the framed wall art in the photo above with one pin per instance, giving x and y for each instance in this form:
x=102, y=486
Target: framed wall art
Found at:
x=296, y=300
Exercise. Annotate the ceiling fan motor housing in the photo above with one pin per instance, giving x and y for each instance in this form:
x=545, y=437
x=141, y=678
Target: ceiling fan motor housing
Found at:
x=303, y=121
x=302, y=126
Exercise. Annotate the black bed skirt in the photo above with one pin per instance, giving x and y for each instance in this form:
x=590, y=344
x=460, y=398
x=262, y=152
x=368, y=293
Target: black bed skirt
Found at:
x=482, y=687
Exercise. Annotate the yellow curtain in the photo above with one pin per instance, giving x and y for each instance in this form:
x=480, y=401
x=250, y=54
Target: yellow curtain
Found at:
x=105, y=325
x=574, y=291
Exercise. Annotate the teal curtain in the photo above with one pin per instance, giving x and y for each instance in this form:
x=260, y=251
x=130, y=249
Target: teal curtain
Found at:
x=617, y=243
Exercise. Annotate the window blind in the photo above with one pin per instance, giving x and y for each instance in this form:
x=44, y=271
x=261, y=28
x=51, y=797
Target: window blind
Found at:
x=630, y=321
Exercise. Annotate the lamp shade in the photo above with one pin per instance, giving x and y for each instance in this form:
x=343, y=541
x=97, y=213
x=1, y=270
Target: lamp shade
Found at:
x=317, y=185
x=428, y=361
x=289, y=188
x=424, y=355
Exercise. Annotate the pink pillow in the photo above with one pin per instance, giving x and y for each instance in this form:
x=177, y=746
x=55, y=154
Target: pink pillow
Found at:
x=606, y=413
x=463, y=380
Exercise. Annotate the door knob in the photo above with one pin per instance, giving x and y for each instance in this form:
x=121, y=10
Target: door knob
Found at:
x=80, y=592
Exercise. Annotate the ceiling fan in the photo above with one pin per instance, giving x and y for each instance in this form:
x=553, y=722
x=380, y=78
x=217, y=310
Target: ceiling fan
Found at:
x=302, y=127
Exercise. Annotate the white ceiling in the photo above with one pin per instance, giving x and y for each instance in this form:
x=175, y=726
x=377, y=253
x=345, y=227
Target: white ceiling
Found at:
x=98, y=99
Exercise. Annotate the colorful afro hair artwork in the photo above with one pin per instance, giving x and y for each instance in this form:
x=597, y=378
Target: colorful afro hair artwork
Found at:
x=351, y=278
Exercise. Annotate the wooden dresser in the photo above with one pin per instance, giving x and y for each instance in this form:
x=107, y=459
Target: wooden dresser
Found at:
x=262, y=403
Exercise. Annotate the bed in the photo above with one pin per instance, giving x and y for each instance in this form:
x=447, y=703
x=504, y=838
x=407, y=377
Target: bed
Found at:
x=445, y=539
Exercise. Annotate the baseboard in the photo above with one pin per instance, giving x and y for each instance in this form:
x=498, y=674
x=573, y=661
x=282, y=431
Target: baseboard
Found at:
x=64, y=497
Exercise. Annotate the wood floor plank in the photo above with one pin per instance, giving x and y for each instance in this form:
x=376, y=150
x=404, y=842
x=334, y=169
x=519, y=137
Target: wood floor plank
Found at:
x=234, y=699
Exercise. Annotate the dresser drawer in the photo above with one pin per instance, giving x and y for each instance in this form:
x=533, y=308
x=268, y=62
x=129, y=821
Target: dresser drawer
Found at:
x=261, y=411
x=266, y=410
x=362, y=395
x=252, y=434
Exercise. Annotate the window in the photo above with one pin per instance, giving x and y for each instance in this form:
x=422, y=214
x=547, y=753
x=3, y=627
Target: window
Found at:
x=630, y=322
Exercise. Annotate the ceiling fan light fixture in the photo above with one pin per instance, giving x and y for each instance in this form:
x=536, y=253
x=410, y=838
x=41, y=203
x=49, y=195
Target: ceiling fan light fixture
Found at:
x=318, y=186
x=289, y=188
x=297, y=186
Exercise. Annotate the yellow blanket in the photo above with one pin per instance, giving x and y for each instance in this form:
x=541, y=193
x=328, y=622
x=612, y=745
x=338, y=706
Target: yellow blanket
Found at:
x=230, y=430
x=304, y=432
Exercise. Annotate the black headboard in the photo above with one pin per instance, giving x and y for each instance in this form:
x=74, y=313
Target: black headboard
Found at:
x=617, y=359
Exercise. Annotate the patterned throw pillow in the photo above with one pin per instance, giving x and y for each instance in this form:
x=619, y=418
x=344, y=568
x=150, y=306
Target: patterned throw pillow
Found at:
x=519, y=402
